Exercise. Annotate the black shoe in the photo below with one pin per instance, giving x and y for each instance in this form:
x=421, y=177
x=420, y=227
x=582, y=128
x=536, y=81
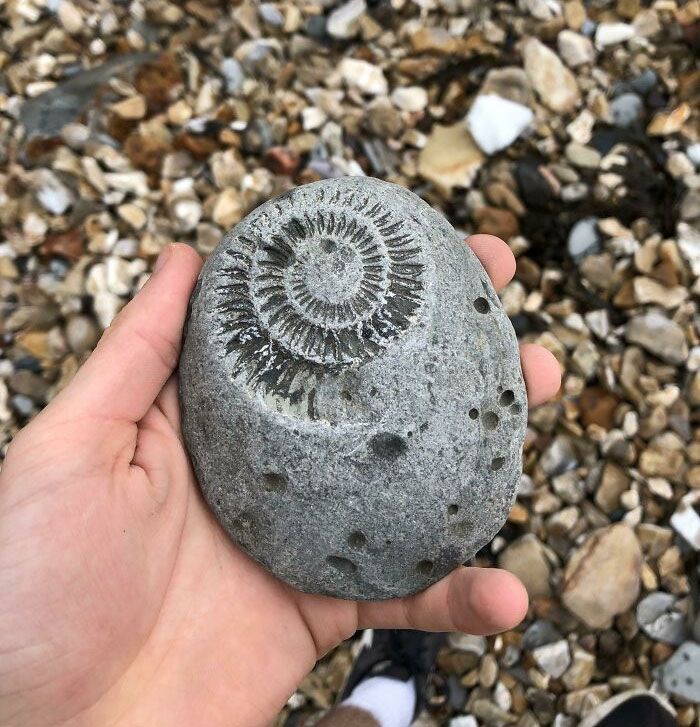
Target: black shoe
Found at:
x=640, y=709
x=396, y=654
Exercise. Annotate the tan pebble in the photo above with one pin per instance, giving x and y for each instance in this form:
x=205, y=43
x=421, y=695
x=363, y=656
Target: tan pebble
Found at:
x=665, y=123
x=133, y=107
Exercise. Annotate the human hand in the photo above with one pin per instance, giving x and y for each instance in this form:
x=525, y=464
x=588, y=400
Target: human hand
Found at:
x=122, y=601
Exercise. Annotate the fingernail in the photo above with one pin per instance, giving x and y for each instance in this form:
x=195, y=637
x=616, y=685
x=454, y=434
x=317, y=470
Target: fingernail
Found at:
x=162, y=258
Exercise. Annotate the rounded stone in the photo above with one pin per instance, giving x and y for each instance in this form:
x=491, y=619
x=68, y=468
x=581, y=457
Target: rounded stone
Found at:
x=351, y=391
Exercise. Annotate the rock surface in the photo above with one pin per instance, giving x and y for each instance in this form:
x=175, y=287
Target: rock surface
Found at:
x=553, y=81
x=602, y=578
x=351, y=391
x=496, y=122
x=527, y=560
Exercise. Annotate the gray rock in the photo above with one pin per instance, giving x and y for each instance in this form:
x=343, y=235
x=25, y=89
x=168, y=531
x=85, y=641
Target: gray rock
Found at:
x=234, y=74
x=554, y=659
x=584, y=238
x=539, y=634
x=658, y=619
x=351, y=391
x=344, y=21
x=644, y=82
x=680, y=675
x=626, y=109
x=270, y=14
x=658, y=335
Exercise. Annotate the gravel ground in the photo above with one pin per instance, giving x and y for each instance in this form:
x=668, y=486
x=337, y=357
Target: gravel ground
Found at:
x=569, y=128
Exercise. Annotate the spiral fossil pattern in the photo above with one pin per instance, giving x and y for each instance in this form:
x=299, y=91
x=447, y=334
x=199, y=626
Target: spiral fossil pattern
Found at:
x=317, y=289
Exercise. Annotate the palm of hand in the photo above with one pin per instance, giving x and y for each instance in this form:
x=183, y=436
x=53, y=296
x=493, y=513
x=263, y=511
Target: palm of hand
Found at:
x=121, y=599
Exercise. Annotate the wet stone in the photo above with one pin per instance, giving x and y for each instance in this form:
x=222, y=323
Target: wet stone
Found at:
x=354, y=424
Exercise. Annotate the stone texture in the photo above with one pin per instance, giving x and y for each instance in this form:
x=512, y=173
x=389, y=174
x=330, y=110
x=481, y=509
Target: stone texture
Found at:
x=602, y=578
x=527, y=560
x=351, y=391
x=451, y=158
x=553, y=81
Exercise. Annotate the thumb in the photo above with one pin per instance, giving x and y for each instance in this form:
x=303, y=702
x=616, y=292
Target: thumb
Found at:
x=140, y=350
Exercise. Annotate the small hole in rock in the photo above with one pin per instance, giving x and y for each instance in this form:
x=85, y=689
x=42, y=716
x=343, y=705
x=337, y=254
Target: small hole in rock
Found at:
x=507, y=398
x=497, y=463
x=274, y=482
x=516, y=408
x=453, y=509
x=344, y=565
x=388, y=445
x=425, y=567
x=688, y=680
x=473, y=413
x=409, y=434
x=490, y=420
x=482, y=305
x=387, y=542
x=357, y=539
x=423, y=427
x=346, y=395
x=373, y=391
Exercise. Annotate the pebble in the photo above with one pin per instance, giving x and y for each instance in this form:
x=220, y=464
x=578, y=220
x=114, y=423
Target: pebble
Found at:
x=465, y=720
x=581, y=671
x=626, y=110
x=344, y=21
x=659, y=335
x=667, y=123
x=511, y=83
x=539, y=633
x=686, y=519
x=583, y=156
x=233, y=74
x=602, y=578
x=410, y=98
x=468, y=642
x=70, y=17
x=132, y=108
x=450, y=158
x=526, y=558
x=575, y=49
x=554, y=659
x=584, y=238
x=22, y=405
x=81, y=334
x=551, y=79
x=271, y=15
x=647, y=290
x=228, y=209
x=693, y=152
x=363, y=76
x=658, y=618
x=495, y=122
x=51, y=193
x=607, y=34
x=679, y=675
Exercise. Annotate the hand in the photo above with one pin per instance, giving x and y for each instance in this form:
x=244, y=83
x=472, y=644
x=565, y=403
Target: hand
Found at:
x=122, y=602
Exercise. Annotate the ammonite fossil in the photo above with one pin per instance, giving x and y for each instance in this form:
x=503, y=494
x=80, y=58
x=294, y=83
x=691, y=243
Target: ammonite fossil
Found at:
x=351, y=391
